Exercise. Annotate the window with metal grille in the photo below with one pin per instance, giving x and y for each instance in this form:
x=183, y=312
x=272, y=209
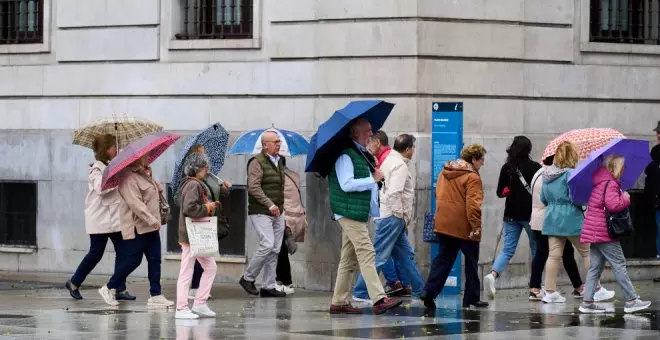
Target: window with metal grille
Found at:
x=217, y=19
x=625, y=21
x=18, y=213
x=21, y=21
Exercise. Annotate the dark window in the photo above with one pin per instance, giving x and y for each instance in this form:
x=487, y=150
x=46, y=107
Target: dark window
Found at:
x=625, y=21
x=235, y=208
x=18, y=213
x=217, y=19
x=21, y=21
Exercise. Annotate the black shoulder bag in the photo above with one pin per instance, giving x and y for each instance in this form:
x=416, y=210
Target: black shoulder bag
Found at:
x=618, y=225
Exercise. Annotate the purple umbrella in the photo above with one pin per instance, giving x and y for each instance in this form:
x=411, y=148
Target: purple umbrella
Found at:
x=636, y=155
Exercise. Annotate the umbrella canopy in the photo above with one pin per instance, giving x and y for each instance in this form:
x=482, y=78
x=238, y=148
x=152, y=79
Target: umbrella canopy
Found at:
x=126, y=129
x=636, y=155
x=249, y=143
x=214, y=139
x=152, y=145
x=333, y=135
x=586, y=141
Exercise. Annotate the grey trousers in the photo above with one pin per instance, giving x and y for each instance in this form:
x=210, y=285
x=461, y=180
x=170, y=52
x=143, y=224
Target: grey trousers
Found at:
x=270, y=231
x=612, y=253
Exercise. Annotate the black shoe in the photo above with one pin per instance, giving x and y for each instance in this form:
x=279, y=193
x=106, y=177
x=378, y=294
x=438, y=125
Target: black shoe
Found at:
x=657, y=279
x=429, y=305
x=248, y=286
x=478, y=304
x=75, y=293
x=125, y=295
x=271, y=293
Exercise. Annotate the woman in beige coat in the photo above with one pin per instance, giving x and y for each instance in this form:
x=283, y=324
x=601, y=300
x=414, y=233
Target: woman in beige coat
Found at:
x=296, y=225
x=101, y=218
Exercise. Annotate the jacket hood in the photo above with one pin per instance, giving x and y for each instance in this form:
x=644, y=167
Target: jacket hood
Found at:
x=457, y=168
x=552, y=172
x=602, y=175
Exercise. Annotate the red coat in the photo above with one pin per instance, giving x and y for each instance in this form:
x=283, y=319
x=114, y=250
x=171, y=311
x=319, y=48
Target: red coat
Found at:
x=595, y=224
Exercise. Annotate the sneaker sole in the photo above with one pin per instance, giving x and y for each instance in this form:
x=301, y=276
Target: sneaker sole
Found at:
x=107, y=300
x=635, y=309
x=489, y=286
x=186, y=317
x=203, y=315
x=159, y=305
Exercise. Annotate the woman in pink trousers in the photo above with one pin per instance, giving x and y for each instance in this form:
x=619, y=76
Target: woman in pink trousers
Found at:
x=194, y=204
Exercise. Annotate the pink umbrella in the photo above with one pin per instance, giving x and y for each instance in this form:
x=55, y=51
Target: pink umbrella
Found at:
x=152, y=145
x=586, y=140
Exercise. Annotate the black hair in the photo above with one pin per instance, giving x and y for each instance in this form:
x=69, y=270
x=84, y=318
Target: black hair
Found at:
x=403, y=142
x=518, y=151
x=549, y=160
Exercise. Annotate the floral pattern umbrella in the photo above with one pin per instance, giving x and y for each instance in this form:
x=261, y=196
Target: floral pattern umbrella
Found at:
x=586, y=140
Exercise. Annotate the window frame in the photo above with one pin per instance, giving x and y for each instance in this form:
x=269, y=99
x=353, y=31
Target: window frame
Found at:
x=36, y=47
x=172, y=19
x=586, y=45
x=23, y=243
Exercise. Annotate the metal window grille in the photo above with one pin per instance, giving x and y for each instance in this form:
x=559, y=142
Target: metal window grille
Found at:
x=625, y=21
x=21, y=21
x=217, y=19
x=18, y=213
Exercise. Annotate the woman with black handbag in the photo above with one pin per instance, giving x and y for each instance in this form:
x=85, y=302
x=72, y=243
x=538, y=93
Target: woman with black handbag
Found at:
x=606, y=220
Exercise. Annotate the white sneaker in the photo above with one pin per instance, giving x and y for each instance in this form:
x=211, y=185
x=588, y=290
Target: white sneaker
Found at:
x=159, y=301
x=203, y=311
x=489, y=286
x=553, y=298
x=286, y=289
x=636, y=305
x=191, y=294
x=185, y=314
x=108, y=295
x=603, y=295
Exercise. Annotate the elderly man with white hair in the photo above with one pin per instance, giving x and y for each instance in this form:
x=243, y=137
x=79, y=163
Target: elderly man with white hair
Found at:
x=266, y=212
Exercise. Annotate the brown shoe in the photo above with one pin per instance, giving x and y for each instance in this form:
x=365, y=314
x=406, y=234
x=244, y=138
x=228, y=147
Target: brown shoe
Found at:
x=395, y=289
x=386, y=304
x=344, y=309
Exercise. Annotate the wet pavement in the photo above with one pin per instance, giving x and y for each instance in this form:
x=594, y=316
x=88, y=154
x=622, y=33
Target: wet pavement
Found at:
x=35, y=307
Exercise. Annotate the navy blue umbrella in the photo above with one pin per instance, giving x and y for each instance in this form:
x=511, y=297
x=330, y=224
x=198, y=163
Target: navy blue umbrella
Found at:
x=214, y=139
x=333, y=135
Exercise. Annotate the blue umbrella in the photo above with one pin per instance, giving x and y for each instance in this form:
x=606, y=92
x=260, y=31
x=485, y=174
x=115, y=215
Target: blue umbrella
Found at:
x=214, y=139
x=249, y=143
x=333, y=136
x=636, y=157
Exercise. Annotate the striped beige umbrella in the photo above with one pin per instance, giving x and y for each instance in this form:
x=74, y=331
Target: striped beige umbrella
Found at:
x=127, y=130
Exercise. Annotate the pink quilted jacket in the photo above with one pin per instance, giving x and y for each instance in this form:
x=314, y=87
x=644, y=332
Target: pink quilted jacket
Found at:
x=595, y=224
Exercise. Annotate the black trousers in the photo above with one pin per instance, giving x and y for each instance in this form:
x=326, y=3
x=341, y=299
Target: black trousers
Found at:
x=442, y=264
x=539, y=260
x=283, y=270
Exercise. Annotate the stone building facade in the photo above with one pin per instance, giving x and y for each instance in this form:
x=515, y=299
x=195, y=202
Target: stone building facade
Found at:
x=532, y=67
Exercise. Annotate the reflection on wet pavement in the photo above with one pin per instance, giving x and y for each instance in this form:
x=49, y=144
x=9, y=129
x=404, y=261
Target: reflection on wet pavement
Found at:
x=51, y=314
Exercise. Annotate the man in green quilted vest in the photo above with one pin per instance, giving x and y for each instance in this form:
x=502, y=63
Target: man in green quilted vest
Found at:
x=266, y=213
x=353, y=186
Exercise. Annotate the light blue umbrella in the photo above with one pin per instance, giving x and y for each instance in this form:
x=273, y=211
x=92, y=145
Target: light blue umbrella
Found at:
x=249, y=143
x=215, y=140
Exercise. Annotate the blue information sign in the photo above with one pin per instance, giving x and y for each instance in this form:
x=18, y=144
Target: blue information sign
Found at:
x=447, y=142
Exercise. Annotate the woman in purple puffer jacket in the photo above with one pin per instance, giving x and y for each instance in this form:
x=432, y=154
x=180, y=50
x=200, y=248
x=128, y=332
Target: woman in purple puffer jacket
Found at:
x=607, y=194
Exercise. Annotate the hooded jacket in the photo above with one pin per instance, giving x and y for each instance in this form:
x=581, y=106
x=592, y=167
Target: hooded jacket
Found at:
x=459, y=196
x=193, y=200
x=562, y=217
x=595, y=224
x=538, y=208
x=518, y=205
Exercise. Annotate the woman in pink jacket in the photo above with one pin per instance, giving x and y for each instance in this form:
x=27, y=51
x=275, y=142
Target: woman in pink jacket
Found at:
x=607, y=194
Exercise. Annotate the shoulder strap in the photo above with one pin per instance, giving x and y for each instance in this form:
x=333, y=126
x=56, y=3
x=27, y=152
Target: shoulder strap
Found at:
x=534, y=180
x=523, y=181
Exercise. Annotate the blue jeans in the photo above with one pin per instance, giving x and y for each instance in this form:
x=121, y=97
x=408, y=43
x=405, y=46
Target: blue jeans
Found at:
x=512, y=230
x=657, y=231
x=97, y=243
x=391, y=273
x=391, y=241
x=132, y=251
